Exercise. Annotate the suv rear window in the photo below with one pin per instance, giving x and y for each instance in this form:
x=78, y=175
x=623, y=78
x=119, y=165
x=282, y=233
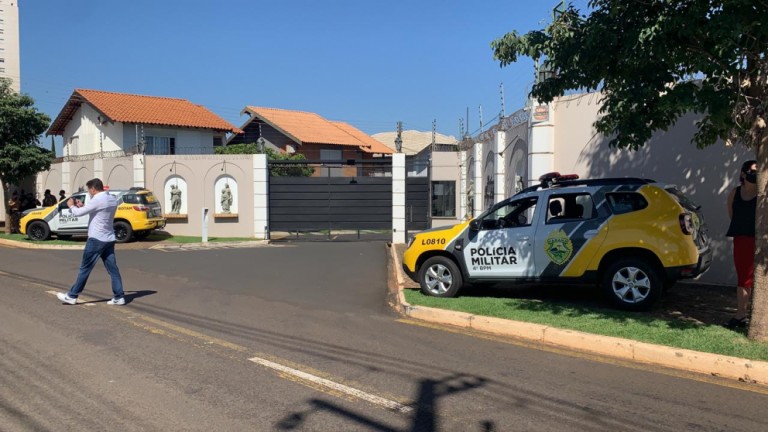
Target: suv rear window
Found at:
x=131, y=198
x=684, y=201
x=625, y=202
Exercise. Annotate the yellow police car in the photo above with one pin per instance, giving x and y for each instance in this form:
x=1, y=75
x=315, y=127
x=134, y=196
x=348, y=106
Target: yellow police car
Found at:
x=634, y=237
x=137, y=215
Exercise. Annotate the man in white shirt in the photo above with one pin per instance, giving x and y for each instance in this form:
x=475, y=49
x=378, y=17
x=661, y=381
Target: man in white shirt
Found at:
x=101, y=241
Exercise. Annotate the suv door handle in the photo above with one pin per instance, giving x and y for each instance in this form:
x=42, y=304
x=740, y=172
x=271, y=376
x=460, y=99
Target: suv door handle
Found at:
x=523, y=238
x=590, y=233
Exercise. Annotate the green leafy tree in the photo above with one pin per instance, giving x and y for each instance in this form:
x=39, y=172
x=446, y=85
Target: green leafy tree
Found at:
x=656, y=60
x=299, y=170
x=21, y=125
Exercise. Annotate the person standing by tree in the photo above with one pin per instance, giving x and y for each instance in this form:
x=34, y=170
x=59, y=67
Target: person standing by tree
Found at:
x=742, y=205
x=14, y=206
x=20, y=130
x=48, y=198
x=62, y=195
x=101, y=242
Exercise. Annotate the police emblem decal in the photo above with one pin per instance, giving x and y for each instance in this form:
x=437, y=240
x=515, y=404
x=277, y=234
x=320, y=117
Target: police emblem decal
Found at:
x=558, y=247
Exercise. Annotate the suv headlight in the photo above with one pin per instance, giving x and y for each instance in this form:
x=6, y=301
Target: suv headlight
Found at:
x=411, y=238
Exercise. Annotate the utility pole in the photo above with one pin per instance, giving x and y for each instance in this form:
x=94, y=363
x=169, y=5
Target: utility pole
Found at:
x=399, y=137
x=434, y=131
x=480, y=108
x=501, y=92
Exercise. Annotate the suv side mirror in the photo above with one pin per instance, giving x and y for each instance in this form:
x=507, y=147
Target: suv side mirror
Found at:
x=474, y=225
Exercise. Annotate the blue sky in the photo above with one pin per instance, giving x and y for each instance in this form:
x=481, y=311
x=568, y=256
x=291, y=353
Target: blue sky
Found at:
x=369, y=63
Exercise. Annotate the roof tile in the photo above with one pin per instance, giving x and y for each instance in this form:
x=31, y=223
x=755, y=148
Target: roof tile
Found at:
x=131, y=108
x=310, y=128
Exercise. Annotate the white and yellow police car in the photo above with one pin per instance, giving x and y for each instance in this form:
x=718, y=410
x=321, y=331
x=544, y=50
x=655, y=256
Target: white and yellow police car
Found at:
x=635, y=237
x=137, y=215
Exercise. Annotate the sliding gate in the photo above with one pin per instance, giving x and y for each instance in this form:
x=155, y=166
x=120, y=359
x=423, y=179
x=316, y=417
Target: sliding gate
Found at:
x=317, y=200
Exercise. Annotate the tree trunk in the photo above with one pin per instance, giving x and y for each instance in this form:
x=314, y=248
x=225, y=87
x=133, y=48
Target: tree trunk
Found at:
x=6, y=197
x=758, y=327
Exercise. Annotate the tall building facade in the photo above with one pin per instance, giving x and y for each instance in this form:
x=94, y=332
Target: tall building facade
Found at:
x=10, y=64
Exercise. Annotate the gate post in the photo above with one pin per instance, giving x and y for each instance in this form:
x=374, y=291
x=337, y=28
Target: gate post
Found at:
x=479, y=205
x=260, y=197
x=138, y=170
x=398, y=198
x=66, y=179
x=499, y=183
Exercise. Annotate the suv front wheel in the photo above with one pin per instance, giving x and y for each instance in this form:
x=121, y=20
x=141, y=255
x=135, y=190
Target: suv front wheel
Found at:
x=440, y=277
x=632, y=284
x=38, y=231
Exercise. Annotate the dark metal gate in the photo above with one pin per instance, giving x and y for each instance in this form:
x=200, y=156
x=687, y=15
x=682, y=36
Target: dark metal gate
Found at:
x=339, y=201
x=418, y=195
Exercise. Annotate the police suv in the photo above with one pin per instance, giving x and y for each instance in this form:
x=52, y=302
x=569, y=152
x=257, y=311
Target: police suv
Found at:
x=634, y=237
x=138, y=213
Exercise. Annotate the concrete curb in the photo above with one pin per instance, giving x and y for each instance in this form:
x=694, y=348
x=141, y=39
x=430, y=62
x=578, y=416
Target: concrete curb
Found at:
x=675, y=358
x=24, y=245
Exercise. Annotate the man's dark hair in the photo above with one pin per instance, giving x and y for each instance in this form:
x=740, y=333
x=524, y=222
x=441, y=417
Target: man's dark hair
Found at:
x=95, y=184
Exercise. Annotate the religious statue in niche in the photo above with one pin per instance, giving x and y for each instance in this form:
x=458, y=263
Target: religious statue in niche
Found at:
x=175, y=199
x=226, y=199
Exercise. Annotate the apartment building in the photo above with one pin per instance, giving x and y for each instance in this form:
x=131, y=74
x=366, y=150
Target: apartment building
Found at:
x=10, y=64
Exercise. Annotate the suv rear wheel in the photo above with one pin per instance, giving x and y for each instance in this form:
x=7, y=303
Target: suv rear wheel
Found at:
x=440, y=277
x=123, y=231
x=632, y=284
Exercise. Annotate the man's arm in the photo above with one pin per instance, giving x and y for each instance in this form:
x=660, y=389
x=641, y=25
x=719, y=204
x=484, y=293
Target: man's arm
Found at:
x=89, y=208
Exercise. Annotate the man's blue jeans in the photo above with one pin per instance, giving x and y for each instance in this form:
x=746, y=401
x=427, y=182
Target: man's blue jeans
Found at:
x=95, y=249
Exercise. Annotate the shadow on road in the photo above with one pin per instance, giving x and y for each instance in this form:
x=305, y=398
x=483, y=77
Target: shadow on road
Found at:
x=129, y=297
x=424, y=419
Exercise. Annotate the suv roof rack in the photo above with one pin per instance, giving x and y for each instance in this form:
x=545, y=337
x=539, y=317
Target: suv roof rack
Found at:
x=557, y=180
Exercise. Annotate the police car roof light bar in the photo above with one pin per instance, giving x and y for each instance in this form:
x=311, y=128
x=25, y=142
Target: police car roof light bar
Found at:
x=552, y=178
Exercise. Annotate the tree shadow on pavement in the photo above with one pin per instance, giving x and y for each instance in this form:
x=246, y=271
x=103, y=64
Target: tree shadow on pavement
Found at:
x=424, y=417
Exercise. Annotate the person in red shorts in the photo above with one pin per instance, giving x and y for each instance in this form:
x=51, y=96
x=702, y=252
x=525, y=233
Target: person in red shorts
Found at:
x=742, y=205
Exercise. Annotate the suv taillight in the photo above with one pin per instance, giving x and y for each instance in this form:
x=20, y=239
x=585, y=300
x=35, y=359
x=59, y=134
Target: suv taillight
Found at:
x=140, y=208
x=686, y=223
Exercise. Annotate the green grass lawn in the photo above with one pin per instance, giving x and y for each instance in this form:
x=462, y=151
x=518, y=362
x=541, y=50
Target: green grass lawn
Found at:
x=51, y=241
x=608, y=322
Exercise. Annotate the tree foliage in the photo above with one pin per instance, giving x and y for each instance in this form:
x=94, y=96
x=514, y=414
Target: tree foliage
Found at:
x=655, y=60
x=21, y=125
x=299, y=170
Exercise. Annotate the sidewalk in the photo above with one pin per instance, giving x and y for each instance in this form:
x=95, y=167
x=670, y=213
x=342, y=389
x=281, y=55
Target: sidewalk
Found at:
x=676, y=358
x=142, y=244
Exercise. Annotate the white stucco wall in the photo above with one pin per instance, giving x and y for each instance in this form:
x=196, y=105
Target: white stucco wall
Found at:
x=92, y=137
x=194, y=141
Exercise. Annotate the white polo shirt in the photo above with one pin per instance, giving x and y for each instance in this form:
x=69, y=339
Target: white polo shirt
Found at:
x=102, y=208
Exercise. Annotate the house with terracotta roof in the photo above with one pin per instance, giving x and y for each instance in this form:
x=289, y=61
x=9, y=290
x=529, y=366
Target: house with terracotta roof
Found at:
x=309, y=134
x=98, y=122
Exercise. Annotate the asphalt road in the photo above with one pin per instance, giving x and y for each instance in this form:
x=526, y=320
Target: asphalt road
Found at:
x=298, y=337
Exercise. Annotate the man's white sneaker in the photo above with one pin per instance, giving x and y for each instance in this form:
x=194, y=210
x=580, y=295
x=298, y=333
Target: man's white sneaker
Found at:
x=65, y=298
x=119, y=302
